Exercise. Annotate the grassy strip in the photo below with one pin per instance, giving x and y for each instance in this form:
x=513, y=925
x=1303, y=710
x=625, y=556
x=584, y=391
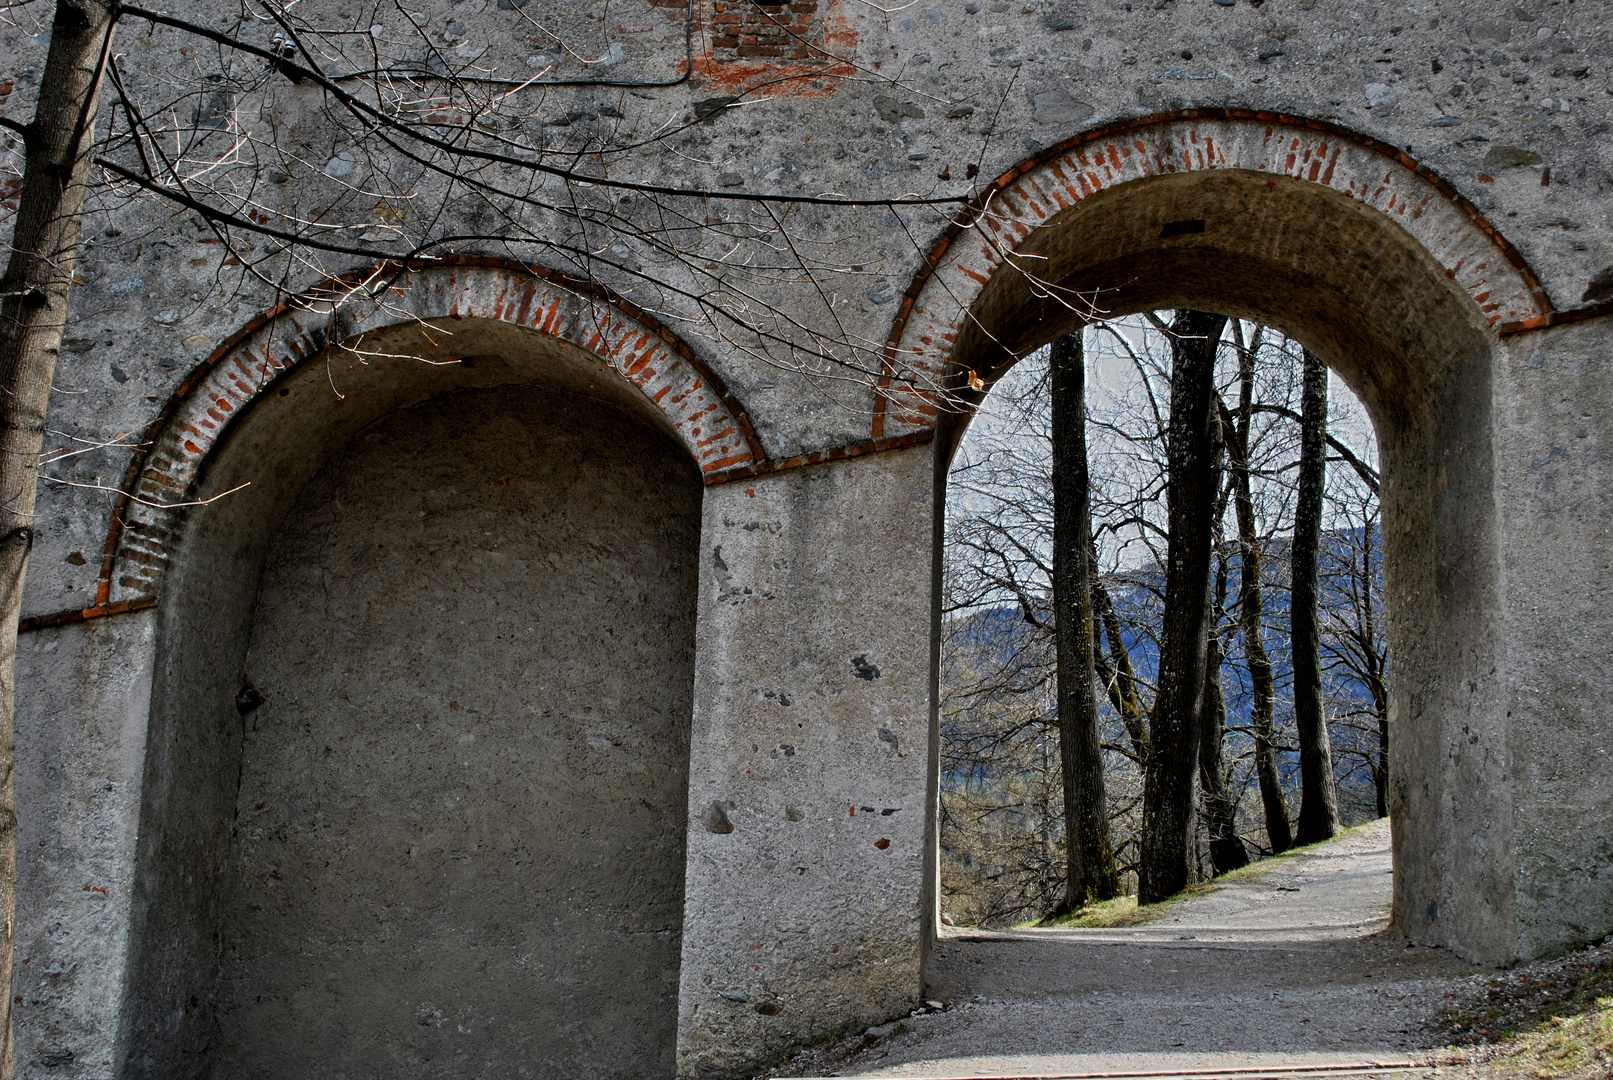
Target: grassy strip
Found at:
x=1563, y=1047
x=1547, y=1021
x=1123, y=911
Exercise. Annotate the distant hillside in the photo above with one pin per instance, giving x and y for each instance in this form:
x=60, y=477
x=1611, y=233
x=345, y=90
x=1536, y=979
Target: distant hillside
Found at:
x=1000, y=638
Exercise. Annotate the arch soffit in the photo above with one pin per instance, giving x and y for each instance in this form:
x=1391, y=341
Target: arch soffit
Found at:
x=1472, y=251
x=707, y=418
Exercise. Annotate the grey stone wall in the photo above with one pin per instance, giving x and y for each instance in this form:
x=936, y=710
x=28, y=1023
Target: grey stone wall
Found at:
x=457, y=845
x=1422, y=192
x=81, y=740
x=809, y=825
x=1553, y=488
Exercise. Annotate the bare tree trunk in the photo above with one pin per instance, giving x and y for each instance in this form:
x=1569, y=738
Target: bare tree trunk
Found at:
x=1251, y=604
x=1220, y=811
x=1380, y=775
x=1168, y=787
x=1375, y=675
x=33, y=312
x=1227, y=852
x=1090, y=865
x=1319, y=802
x=1117, y=674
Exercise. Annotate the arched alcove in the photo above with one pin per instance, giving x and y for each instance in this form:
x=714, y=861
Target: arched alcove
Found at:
x=417, y=761
x=1398, y=286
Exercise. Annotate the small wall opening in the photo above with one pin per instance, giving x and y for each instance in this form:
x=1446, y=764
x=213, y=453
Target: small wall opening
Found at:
x=418, y=764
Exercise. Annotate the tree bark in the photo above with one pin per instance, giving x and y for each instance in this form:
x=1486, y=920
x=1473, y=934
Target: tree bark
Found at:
x=1319, y=803
x=1168, y=786
x=1380, y=775
x=1227, y=852
x=1220, y=810
x=1375, y=675
x=1090, y=863
x=1118, y=678
x=33, y=312
x=1251, y=614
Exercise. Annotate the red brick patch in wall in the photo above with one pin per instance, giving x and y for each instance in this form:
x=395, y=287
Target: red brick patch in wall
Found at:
x=795, y=48
x=766, y=29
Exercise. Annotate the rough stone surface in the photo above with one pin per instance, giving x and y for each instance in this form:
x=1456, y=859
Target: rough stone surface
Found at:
x=1553, y=481
x=1419, y=192
x=81, y=727
x=458, y=847
x=811, y=733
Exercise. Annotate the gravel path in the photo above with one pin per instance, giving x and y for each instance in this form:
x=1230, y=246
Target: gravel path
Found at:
x=1297, y=967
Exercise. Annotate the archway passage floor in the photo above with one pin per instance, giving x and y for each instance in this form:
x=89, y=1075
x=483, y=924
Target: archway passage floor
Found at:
x=1293, y=972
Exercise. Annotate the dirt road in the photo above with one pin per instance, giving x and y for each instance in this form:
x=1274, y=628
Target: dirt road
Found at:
x=1296, y=967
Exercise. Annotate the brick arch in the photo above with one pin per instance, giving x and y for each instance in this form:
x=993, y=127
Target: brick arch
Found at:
x=707, y=418
x=1471, y=249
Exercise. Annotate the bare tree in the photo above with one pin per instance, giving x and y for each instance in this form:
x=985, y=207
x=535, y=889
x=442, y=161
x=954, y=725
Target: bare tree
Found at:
x=1251, y=603
x=998, y=681
x=1091, y=873
x=1164, y=867
x=1354, y=653
x=1114, y=668
x=1318, y=808
x=1220, y=816
x=1002, y=857
x=1002, y=804
x=999, y=664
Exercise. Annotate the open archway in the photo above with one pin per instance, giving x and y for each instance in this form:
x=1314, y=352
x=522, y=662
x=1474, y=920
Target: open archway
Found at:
x=1400, y=287
x=418, y=756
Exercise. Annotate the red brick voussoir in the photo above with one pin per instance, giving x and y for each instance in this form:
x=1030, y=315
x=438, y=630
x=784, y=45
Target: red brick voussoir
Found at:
x=935, y=307
x=146, y=522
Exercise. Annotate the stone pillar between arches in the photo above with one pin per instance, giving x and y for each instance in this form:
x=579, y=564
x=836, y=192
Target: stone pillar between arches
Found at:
x=83, y=701
x=810, y=761
x=1554, y=492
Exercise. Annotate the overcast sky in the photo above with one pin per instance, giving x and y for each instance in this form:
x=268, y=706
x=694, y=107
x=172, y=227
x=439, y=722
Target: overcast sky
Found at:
x=1004, y=428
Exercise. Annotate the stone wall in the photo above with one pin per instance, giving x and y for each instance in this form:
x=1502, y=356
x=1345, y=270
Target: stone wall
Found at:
x=457, y=842
x=1423, y=193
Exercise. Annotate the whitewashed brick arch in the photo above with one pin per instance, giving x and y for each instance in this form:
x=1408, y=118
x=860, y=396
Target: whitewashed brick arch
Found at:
x=1472, y=251
x=708, y=420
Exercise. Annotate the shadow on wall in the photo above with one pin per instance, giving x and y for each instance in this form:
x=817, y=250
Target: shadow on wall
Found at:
x=453, y=830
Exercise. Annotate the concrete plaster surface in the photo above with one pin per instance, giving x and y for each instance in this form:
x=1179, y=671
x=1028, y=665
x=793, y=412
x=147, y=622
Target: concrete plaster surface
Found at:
x=809, y=760
x=1552, y=468
x=1295, y=966
x=460, y=811
x=80, y=752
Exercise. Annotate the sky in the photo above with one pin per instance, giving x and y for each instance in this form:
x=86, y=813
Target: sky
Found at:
x=1010, y=428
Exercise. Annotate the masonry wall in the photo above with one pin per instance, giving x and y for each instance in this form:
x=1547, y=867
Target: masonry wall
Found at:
x=81, y=732
x=1502, y=110
x=457, y=846
x=450, y=839
x=1554, y=485
x=811, y=760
